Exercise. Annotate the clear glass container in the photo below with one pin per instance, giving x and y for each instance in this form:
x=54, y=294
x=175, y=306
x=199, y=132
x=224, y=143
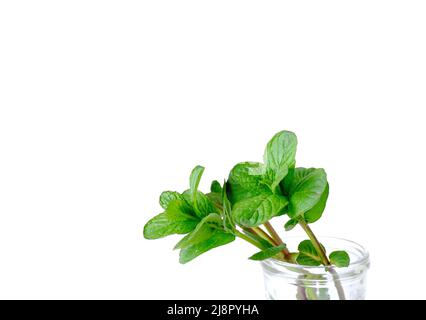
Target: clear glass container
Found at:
x=286, y=281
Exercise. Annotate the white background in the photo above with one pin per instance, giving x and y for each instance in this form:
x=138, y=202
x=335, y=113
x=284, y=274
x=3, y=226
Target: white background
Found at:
x=104, y=104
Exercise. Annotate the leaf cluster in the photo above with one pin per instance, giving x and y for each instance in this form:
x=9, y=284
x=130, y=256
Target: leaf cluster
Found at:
x=253, y=194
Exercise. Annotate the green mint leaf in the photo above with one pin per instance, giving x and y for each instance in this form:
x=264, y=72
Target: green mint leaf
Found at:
x=279, y=156
x=246, y=181
x=308, y=255
x=227, y=207
x=307, y=260
x=194, y=179
x=293, y=257
x=267, y=253
x=290, y=224
x=340, y=259
x=201, y=203
x=215, y=195
x=204, y=229
x=191, y=252
x=287, y=182
x=315, y=213
x=216, y=187
x=228, y=220
x=203, y=206
x=167, y=196
x=306, y=246
x=306, y=189
x=255, y=211
x=216, y=199
x=208, y=234
x=179, y=218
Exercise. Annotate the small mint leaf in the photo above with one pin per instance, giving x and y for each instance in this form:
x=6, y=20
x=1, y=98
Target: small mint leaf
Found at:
x=340, y=259
x=290, y=224
x=267, y=253
x=216, y=187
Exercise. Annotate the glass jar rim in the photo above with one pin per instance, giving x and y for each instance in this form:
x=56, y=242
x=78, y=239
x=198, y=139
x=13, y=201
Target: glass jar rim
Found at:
x=362, y=261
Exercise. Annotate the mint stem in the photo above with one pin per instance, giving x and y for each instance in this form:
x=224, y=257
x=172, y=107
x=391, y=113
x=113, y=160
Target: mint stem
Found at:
x=315, y=242
x=319, y=248
x=279, y=241
x=259, y=231
x=248, y=239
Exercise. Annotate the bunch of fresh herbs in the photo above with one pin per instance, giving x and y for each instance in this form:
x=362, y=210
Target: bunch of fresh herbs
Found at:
x=243, y=205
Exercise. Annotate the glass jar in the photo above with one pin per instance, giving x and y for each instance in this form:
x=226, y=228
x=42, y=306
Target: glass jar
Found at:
x=286, y=281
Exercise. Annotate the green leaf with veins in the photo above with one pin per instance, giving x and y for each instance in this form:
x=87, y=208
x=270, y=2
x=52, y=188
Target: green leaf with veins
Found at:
x=315, y=213
x=208, y=234
x=305, y=190
x=204, y=207
x=293, y=257
x=340, y=259
x=167, y=196
x=215, y=195
x=246, y=181
x=228, y=220
x=201, y=232
x=279, y=156
x=216, y=187
x=194, y=181
x=268, y=253
x=179, y=218
x=216, y=200
x=308, y=255
x=255, y=211
x=227, y=207
x=290, y=224
x=285, y=184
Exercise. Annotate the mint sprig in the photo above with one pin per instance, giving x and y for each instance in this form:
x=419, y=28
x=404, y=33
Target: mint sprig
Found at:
x=244, y=204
